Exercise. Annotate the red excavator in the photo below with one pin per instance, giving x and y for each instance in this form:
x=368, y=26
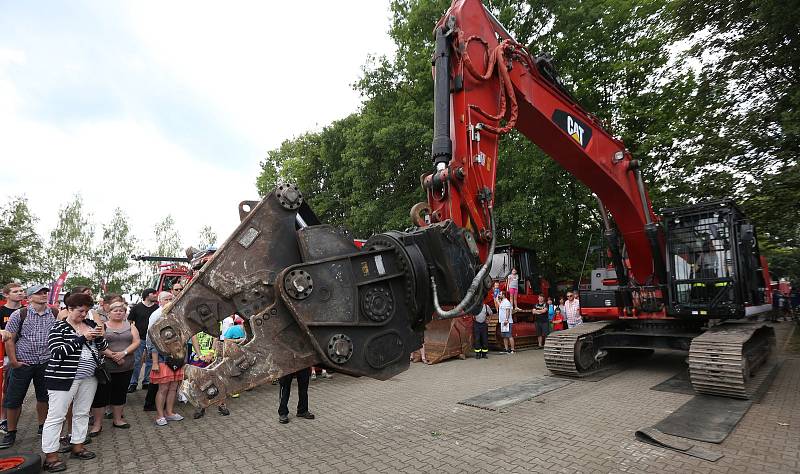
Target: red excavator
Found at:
x=312, y=297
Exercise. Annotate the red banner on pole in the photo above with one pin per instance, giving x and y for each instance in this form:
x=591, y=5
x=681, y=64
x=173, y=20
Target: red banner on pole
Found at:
x=55, y=288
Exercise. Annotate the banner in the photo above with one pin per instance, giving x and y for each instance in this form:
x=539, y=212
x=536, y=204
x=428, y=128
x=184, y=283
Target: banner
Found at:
x=55, y=289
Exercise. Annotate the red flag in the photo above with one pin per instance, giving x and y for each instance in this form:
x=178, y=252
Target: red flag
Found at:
x=55, y=288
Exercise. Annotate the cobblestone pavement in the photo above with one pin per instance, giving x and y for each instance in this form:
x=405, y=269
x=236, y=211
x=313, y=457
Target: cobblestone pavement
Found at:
x=412, y=423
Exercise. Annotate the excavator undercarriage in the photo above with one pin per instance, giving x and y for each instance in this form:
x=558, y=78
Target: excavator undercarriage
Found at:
x=723, y=360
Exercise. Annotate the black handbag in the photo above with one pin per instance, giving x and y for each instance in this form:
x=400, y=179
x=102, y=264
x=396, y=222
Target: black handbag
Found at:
x=174, y=363
x=100, y=371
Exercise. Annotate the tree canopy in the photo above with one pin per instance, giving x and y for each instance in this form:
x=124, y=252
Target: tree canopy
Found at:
x=704, y=94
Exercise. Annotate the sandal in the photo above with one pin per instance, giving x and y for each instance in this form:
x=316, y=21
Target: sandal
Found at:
x=83, y=454
x=55, y=466
x=94, y=434
x=123, y=426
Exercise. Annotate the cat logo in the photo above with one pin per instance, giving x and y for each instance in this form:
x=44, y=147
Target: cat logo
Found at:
x=579, y=131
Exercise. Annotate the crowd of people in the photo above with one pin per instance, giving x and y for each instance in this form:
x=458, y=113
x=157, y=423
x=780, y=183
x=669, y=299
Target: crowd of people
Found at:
x=548, y=315
x=85, y=358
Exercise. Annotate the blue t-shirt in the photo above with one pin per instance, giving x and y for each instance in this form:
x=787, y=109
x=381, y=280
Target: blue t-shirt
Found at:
x=234, y=332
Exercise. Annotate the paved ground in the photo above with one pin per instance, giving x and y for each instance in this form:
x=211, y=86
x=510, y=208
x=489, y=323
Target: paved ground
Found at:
x=412, y=423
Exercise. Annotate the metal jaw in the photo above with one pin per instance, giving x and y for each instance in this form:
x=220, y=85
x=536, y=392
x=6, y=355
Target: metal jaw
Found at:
x=310, y=297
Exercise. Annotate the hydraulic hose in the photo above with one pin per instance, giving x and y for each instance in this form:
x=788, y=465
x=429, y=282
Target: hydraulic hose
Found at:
x=473, y=288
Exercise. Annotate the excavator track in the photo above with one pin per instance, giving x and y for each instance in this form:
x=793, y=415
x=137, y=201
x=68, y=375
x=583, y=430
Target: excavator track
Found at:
x=571, y=352
x=724, y=360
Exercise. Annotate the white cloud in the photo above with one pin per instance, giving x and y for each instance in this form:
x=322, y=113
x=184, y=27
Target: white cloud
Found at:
x=275, y=69
x=268, y=72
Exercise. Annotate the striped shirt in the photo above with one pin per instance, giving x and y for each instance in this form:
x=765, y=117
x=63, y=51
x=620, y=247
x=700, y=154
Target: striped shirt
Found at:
x=86, y=364
x=66, y=346
x=32, y=343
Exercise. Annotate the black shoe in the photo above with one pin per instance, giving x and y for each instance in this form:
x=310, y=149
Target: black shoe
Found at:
x=85, y=454
x=131, y=388
x=478, y=355
x=223, y=410
x=307, y=415
x=484, y=356
x=39, y=431
x=145, y=385
x=149, y=408
x=8, y=440
x=283, y=419
x=199, y=413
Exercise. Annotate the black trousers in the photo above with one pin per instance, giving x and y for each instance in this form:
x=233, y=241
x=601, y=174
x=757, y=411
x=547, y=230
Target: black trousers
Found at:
x=114, y=393
x=285, y=382
x=480, y=337
x=150, y=398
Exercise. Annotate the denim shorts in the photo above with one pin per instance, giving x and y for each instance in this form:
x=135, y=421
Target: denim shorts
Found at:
x=18, y=382
x=508, y=333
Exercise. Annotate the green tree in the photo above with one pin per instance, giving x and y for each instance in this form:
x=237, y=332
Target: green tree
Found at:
x=20, y=245
x=70, y=245
x=112, y=257
x=206, y=238
x=167, y=240
x=622, y=61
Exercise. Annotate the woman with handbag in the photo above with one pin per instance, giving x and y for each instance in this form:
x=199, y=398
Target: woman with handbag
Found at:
x=123, y=339
x=71, y=377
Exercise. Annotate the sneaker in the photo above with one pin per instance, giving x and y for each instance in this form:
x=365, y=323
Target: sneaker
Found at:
x=8, y=440
x=313, y=376
x=223, y=410
x=161, y=422
x=4, y=426
x=283, y=419
x=511, y=352
x=326, y=375
x=175, y=417
x=307, y=415
x=131, y=388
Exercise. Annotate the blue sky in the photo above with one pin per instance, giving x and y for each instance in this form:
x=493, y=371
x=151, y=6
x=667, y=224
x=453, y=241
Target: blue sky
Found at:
x=133, y=104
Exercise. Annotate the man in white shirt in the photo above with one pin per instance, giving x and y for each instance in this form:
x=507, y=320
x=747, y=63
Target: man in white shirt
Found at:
x=506, y=321
x=572, y=308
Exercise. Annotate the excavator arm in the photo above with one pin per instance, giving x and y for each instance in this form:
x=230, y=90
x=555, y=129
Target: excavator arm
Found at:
x=311, y=297
x=487, y=84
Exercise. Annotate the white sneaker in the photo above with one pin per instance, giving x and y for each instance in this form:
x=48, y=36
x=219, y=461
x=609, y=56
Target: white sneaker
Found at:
x=175, y=417
x=161, y=422
x=326, y=374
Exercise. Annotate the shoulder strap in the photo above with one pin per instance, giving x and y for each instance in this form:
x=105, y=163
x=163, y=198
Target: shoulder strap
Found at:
x=23, y=314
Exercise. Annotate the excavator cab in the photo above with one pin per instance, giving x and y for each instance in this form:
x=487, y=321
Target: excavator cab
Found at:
x=507, y=257
x=713, y=261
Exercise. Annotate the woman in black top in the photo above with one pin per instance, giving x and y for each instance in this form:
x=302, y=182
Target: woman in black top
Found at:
x=76, y=346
